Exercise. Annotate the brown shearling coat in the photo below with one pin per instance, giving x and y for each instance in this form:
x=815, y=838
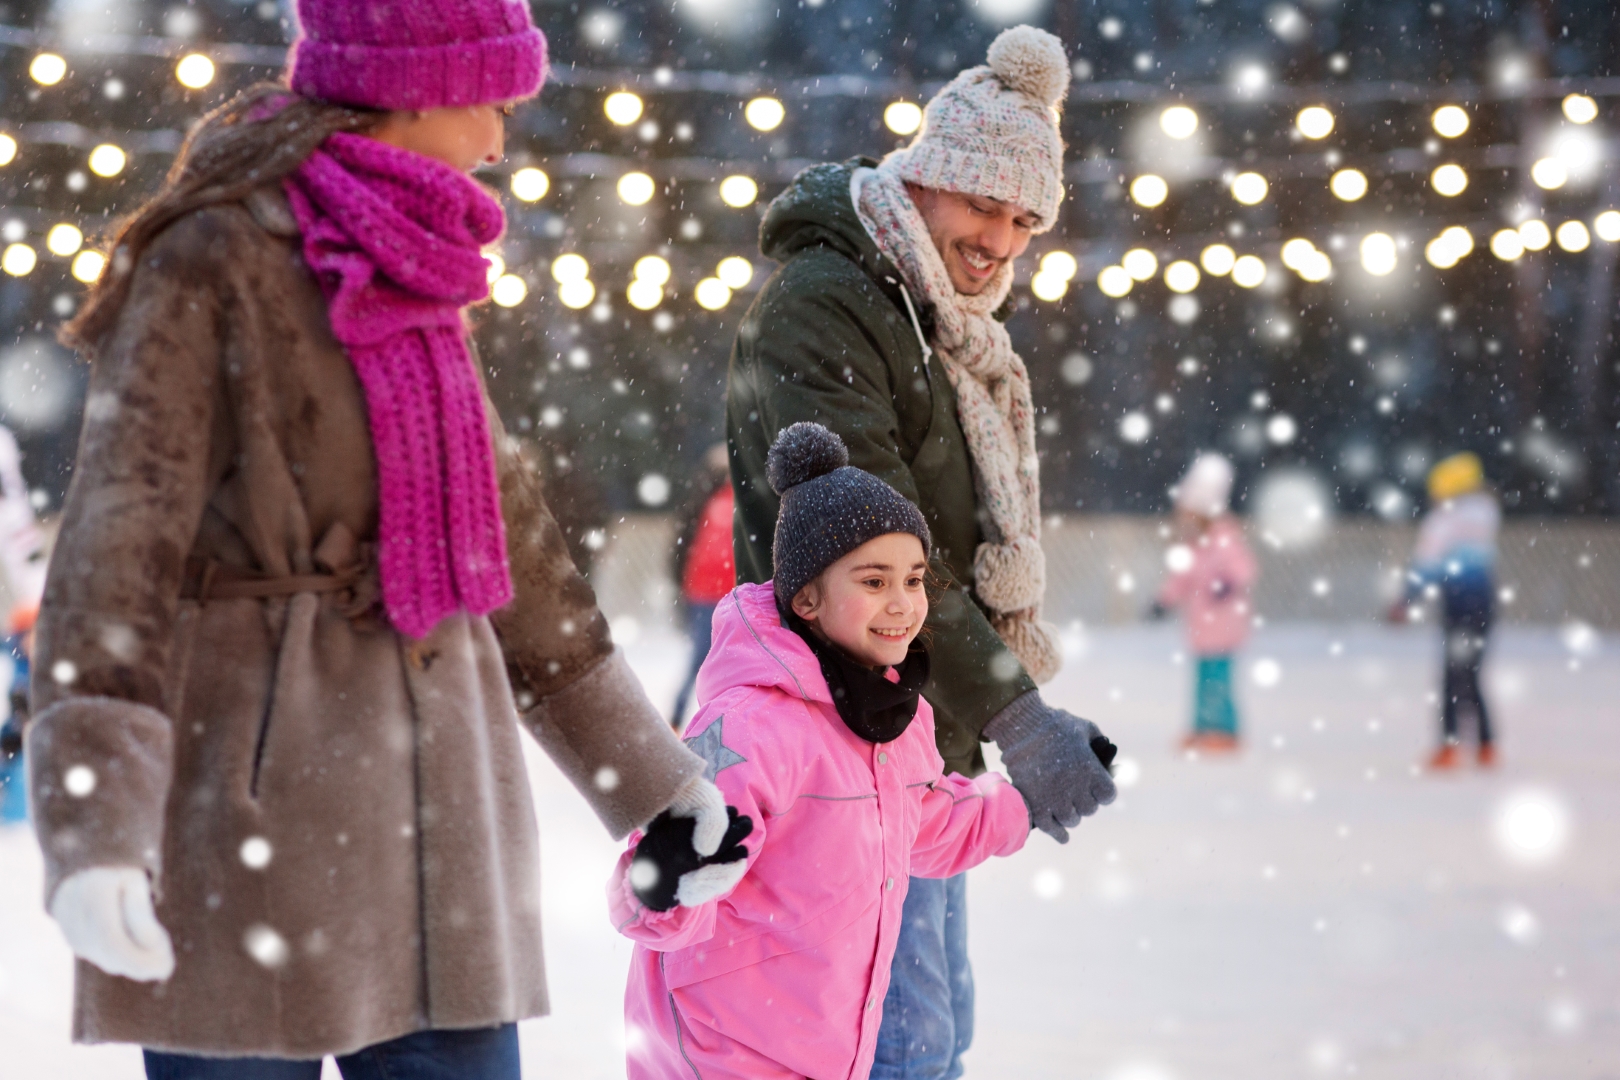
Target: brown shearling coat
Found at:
x=225, y=423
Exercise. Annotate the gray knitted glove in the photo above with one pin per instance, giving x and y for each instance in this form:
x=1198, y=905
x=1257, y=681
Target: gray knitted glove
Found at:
x=1049, y=759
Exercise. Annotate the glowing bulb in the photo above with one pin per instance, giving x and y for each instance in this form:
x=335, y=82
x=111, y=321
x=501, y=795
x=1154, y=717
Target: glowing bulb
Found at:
x=1378, y=254
x=1459, y=239
x=194, y=71
x=107, y=160
x=1580, y=109
x=1060, y=264
x=1218, y=259
x=1449, y=180
x=1140, y=264
x=1439, y=254
x=8, y=149
x=1348, y=184
x=1607, y=226
x=1535, y=234
x=1047, y=286
x=637, y=188
x=570, y=267
x=764, y=114
x=47, y=69
x=1249, y=272
x=903, y=117
x=622, y=107
x=1314, y=122
x=509, y=290
x=653, y=269
x=575, y=293
x=644, y=295
x=88, y=265
x=1115, y=281
x=1149, y=190
x=1507, y=245
x=1316, y=267
x=735, y=272
x=1549, y=173
x=1249, y=188
x=1178, y=122
x=497, y=267
x=1296, y=252
x=1450, y=121
x=712, y=294
x=19, y=260
x=738, y=191
x=1181, y=276
x=1572, y=236
x=530, y=184
x=64, y=239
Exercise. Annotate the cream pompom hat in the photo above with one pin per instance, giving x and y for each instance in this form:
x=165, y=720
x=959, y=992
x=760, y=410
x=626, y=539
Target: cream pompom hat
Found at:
x=993, y=130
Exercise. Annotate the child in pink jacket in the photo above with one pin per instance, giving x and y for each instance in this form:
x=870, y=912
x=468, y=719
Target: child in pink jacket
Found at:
x=770, y=959
x=1211, y=573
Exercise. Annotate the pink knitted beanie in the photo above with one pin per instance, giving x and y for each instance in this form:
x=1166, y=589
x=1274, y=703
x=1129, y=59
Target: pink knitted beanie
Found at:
x=993, y=130
x=417, y=54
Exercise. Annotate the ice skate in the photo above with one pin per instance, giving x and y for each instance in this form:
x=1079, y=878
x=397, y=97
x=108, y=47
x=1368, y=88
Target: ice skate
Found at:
x=1444, y=759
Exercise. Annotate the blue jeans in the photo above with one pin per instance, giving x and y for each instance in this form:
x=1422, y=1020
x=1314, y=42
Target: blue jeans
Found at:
x=928, y=1012
x=479, y=1054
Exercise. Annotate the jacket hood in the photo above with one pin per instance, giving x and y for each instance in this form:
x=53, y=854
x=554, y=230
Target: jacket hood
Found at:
x=753, y=649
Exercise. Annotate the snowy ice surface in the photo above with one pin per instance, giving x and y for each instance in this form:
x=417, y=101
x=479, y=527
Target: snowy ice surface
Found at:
x=1311, y=908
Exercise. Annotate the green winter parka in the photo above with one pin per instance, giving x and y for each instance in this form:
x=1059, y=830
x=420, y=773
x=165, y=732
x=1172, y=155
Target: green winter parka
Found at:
x=829, y=339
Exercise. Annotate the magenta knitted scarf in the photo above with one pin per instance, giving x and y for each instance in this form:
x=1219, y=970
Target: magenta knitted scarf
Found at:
x=395, y=240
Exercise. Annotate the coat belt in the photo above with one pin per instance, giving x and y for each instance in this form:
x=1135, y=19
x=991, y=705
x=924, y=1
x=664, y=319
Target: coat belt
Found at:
x=209, y=579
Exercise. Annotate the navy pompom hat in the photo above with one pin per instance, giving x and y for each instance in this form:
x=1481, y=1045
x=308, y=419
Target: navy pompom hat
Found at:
x=829, y=508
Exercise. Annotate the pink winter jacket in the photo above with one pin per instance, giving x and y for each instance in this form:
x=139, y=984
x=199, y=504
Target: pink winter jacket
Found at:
x=785, y=975
x=1218, y=621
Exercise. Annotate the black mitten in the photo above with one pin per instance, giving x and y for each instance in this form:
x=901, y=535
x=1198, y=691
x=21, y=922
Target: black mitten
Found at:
x=666, y=855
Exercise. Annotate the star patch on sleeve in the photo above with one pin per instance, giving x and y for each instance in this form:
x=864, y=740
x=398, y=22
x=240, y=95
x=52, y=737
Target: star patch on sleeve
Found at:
x=711, y=747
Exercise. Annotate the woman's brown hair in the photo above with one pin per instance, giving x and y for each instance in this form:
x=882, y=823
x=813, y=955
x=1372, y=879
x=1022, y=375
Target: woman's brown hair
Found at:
x=257, y=138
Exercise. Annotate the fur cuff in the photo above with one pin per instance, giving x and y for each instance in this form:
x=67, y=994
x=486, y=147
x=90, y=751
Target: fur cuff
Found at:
x=613, y=745
x=99, y=771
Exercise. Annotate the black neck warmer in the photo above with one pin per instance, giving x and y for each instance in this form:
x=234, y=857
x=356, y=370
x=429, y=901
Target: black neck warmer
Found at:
x=871, y=706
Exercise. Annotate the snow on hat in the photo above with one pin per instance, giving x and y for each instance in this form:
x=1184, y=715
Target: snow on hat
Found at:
x=417, y=54
x=993, y=130
x=1207, y=487
x=829, y=507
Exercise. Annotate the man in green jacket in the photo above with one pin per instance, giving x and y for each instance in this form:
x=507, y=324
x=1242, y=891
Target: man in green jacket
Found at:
x=882, y=323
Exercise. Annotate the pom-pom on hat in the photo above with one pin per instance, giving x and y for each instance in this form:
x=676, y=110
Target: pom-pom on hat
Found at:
x=416, y=54
x=1206, y=490
x=829, y=508
x=993, y=130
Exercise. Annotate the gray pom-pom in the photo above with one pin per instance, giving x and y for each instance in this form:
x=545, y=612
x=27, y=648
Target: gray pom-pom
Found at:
x=1031, y=61
x=803, y=452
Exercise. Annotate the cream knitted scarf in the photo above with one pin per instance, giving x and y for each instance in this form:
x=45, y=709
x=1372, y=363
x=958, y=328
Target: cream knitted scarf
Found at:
x=993, y=404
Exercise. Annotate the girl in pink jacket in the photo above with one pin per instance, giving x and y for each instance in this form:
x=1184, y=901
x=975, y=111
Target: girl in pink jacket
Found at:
x=1211, y=573
x=771, y=958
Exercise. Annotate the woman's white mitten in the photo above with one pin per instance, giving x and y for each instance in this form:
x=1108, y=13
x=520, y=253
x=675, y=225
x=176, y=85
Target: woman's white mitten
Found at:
x=107, y=916
x=700, y=799
x=708, y=882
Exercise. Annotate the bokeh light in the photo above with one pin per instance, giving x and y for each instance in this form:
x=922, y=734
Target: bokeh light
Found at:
x=570, y=267
x=1218, y=259
x=1549, y=173
x=1149, y=190
x=64, y=239
x=1140, y=263
x=1181, y=276
x=47, y=69
x=903, y=117
x=530, y=184
x=1060, y=264
x=1449, y=180
x=1573, y=236
x=1378, y=254
x=1532, y=826
x=1607, y=226
x=1580, y=109
x=1249, y=188
x=1535, y=234
x=653, y=269
x=107, y=160
x=623, y=107
x=575, y=293
x=764, y=114
x=195, y=71
x=19, y=260
x=1314, y=122
x=509, y=290
x=8, y=150
x=712, y=294
x=1178, y=122
x=88, y=265
x=1249, y=272
x=1450, y=121
x=1348, y=184
x=738, y=191
x=1507, y=245
x=1115, y=281
x=735, y=271
x=644, y=295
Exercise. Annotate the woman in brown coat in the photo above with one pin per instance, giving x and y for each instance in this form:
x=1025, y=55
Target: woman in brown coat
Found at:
x=306, y=587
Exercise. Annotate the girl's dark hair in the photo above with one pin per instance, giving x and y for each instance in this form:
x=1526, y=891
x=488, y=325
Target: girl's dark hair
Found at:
x=257, y=138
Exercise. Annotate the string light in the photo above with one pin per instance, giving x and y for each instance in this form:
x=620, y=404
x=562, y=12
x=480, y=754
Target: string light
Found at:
x=1315, y=267
x=653, y=269
x=1449, y=180
x=1507, y=245
x=1296, y=251
x=735, y=272
x=194, y=71
x=764, y=114
x=903, y=117
x=107, y=160
x=1449, y=121
x=644, y=295
x=47, y=69
x=622, y=107
x=1535, y=235
x=637, y=188
x=1580, y=109
x=1048, y=287
x=1115, y=281
x=1549, y=173
x=1450, y=247
x=1573, y=236
x=1149, y=190
x=1140, y=263
x=509, y=290
x=1378, y=254
x=577, y=293
x=88, y=265
x=1060, y=264
x=1607, y=226
x=1249, y=272
x=1178, y=122
x=1181, y=276
x=570, y=267
x=8, y=150
x=497, y=267
x=64, y=240
x=1218, y=259
x=19, y=260
x=1314, y=122
x=738, y=192
x=712, y=294
x=1348, y=185
x=1249, y=188
x=530, y=184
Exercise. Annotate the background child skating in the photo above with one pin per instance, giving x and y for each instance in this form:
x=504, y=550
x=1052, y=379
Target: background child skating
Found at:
x=1455, y=556
x=783, y=975
x=1212, y=573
